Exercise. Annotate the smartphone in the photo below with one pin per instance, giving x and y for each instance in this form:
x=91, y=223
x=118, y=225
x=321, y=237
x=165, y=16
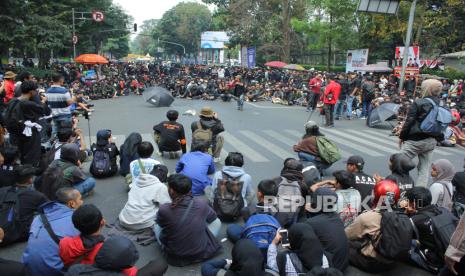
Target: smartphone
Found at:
x=284, y=238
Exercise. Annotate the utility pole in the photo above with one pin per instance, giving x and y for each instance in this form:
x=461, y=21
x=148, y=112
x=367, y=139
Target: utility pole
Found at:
x=407, y=44
x=74, y=35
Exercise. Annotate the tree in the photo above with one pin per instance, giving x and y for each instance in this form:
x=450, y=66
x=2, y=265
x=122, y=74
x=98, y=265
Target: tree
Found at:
x=144, y=42
x=183, y=24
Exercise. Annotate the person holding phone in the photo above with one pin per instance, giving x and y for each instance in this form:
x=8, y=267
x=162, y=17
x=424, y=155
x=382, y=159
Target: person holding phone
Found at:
x=303, y=251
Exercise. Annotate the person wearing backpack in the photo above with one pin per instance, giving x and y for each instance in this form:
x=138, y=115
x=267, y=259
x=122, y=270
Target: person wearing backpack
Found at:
x=105, y=153
x=429, y=248
x=41, y=256
x=304, y=253
x=365, y=233
x=414, y=141
x=22, y=199
x=208, y=128
x=442, y=190
x=197, y=165
x=231, y=188
x=307, y=148
x=328, y=226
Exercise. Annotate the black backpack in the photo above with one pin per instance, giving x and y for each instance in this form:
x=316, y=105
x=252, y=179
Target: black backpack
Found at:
x=101, y=163
x=13, y=117
x=228, y=201
x=397, y=232
x=53, y=179
x=9, y=215
x=442, y=227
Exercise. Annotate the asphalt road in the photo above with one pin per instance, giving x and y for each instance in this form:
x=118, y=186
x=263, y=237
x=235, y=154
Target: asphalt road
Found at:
x=263, y=132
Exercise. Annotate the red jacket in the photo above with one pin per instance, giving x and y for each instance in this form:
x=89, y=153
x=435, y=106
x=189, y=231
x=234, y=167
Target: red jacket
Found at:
x=333, y=88
x=72, y=248
x=9, y=90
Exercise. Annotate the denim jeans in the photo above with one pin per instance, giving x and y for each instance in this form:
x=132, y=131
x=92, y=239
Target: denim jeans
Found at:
x=303, y=156
x=85, y=186
x=234, y=232
x=338, y=108
x=212, y=267
x=350, y=101
x=240, y=102
x=57, y=121
x=365, y=105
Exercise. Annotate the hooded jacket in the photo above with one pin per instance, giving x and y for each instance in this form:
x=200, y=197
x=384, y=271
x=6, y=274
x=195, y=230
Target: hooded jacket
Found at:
x=128, y=152
x=41, y=254
x=144, y=198
x=442, y=190
x=72, y=248
x=247, y=259
x=400, y=168
x=68, y=161
x=234, y=172
x=116, y=256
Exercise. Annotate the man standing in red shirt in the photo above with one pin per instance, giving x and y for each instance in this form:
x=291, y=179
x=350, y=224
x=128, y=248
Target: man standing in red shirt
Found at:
x=314, y=95
x=8, y=88
x=330, y=98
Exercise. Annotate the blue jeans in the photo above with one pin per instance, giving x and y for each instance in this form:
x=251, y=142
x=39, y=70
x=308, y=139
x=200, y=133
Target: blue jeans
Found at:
x=350, y=101
x=311, y=158
x=57, y=121
x=240, y=102
x=211, y=267
x=85, y=186
x=234, y=232
x=338, y=108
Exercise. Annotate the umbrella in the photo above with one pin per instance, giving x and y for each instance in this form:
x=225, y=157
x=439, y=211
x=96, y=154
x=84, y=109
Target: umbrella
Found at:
x=160, y=98
x=277, y=64
x=91, y=59
x=296, y=67
x=382, y=113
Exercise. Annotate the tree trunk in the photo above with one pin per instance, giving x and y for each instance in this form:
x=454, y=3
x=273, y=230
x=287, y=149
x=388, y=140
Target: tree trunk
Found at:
x=44, y=58
x=286, y=31
x=330, y=42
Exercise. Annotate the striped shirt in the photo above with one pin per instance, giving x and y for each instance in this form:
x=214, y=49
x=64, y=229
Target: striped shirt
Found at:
x=57, y=100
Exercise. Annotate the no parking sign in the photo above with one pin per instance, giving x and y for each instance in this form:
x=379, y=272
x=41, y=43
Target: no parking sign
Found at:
x=97, y=16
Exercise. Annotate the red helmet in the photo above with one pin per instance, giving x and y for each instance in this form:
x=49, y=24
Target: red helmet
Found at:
x=455, y=116
x=387, y=189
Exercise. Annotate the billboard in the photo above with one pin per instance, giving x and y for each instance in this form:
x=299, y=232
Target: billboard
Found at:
x=413, y=56
x=213, y=40
x=356, y=59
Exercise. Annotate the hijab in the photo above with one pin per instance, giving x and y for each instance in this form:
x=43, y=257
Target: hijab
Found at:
x=131, y=143
x=305, y=243
x=247, y=259
x=445, y=170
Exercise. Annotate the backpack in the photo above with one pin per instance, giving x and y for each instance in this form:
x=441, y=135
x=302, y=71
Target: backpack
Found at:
x=327, y=150
x=287, y=193
x=437, y=119
x=9, y=215
x=397, y=232
x=228, y=201
x=53, y=179
x=13, y=117
x=101, y=163
x=202, y=134
x=442, y=227
x=261, y=228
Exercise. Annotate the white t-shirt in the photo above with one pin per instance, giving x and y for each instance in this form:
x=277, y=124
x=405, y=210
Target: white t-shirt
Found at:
x=148, y=164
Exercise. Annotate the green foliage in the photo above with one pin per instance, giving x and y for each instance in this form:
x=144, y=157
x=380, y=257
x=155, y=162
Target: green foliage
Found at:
x=335, y=68
x=183, y=24
x=449, y=73
x=144, y=42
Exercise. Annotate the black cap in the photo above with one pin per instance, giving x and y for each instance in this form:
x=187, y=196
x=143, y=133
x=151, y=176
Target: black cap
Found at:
x=355, y=160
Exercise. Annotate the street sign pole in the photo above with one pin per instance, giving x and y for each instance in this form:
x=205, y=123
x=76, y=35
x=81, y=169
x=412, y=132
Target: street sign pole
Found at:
x=74, y=35
x=407, y=44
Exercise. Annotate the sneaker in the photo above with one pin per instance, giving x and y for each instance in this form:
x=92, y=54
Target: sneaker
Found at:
x=363, y=118
x=217, y=160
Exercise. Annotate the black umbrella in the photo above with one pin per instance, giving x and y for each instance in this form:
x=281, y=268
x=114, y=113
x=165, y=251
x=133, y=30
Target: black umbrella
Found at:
x=160, y=98
x=382, y=113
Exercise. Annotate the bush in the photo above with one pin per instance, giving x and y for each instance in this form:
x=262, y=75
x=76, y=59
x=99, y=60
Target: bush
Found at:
x=38, y=73
x=449, y=73
x=334, y=68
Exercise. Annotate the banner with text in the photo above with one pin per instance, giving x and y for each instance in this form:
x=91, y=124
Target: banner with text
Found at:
x=356, y=59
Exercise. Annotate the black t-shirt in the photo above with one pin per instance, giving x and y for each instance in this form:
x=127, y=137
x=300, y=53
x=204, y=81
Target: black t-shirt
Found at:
x=7, y=176
x=364, y=184
x=171, y=134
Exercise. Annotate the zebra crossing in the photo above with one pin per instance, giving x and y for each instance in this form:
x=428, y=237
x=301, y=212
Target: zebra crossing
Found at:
x=262, y=146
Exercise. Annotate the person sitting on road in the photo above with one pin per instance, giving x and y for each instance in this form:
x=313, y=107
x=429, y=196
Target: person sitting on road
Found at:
x=425, y=253
x=305, y=252
x=363, y=182
x=307, y=148
x=366, y=228
x=247, y=259
x=442, y=190
x=8, y=169
x=208, y=128
x=11, y=268
x=170, y=136
x=146, y=195
x=128, y=152
x=41, y=254
x=145, y=151
x=197, y=165
x=233, y=170
x=187, y=227
x=118, y=256
x=400, y=167
x=328, y=226
x=104, y=144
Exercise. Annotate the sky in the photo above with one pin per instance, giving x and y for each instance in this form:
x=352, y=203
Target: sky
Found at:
x=142, y=10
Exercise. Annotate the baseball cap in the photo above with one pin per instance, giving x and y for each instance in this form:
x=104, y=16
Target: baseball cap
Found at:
x=310, y=124
x=355, y=160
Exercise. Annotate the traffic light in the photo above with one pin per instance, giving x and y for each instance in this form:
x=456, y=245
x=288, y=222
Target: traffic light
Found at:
x=135, y=27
